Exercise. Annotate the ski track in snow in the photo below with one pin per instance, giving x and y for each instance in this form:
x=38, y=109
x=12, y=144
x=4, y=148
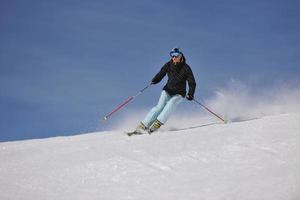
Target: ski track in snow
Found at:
x=246, y=160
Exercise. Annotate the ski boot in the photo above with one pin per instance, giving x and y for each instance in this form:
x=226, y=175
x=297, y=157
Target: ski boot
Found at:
x=155, y=126
x=140, y=129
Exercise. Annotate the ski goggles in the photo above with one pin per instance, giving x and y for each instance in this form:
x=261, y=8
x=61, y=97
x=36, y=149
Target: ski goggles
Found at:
x=175, y=54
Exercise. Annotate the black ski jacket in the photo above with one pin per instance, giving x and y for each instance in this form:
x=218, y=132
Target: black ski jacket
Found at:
x=178, y=75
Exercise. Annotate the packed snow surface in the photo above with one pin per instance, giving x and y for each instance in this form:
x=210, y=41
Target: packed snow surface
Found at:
x=257, y=159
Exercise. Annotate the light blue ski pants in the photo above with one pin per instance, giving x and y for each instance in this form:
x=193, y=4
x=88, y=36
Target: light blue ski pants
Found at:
x=165, y=106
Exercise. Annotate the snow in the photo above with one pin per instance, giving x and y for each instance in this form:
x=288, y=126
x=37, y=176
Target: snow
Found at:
x=243, y=160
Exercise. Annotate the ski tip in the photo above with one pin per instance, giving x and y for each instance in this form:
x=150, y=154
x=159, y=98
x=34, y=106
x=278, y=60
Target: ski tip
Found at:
x=129, y=133
x=134, y=133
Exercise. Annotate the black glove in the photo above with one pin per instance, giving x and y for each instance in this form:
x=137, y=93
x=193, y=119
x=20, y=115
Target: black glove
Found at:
x=189, y=97
x=153, y=82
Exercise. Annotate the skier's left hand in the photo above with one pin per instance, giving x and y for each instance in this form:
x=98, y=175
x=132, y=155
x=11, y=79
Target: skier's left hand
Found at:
x=189, y=97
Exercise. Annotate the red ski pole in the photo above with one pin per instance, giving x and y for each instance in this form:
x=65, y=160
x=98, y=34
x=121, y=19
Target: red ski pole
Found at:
x=125, y=103
x=225, y=121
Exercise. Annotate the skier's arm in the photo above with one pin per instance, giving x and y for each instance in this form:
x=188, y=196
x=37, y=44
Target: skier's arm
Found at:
x=191, y=82
x=160, y=75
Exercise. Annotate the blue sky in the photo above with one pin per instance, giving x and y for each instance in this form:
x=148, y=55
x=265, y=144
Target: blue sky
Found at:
x=65, y=64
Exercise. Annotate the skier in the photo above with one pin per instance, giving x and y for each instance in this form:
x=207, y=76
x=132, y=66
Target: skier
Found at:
x=173, y=92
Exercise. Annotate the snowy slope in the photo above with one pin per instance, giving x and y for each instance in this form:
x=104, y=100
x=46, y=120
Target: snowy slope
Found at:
x=257, y=159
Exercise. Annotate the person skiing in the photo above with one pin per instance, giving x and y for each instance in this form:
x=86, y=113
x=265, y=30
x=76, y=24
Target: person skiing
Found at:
x=173, y=92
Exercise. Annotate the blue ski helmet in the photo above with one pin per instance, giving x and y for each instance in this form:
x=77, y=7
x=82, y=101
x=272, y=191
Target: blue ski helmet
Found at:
x=175, y=52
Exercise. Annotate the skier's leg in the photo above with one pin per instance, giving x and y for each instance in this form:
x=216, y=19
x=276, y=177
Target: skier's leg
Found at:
x=169, y=108
x=165, y=113
x=155, y=111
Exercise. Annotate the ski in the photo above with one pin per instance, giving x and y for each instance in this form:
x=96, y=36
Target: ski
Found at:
x=134, y=133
